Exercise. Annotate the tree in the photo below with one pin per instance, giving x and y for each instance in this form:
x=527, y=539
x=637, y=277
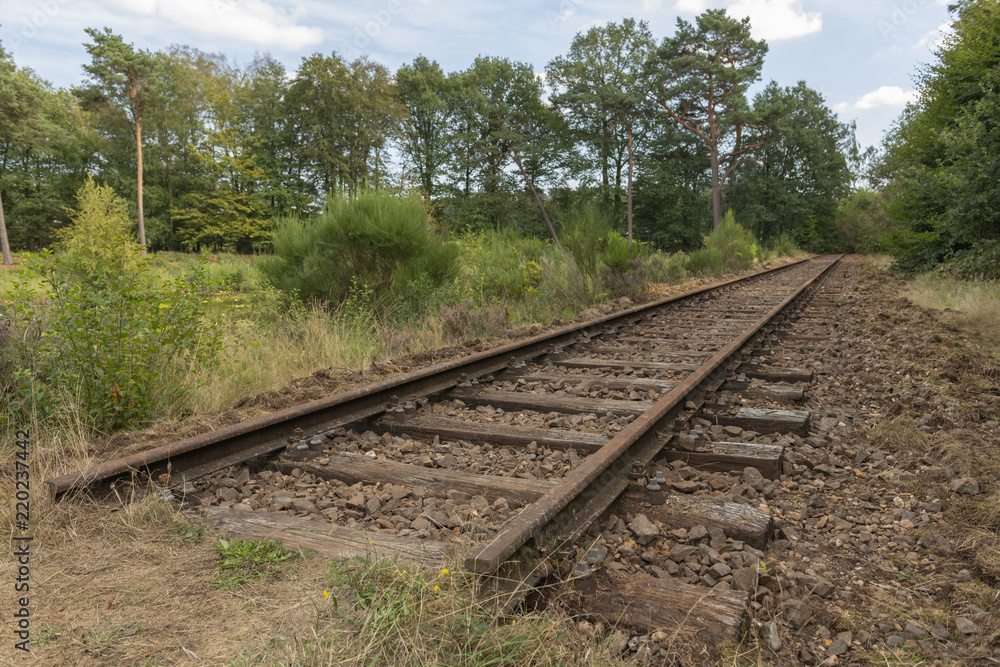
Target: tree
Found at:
x=38, y=155
x=700, y=77
x=128, y=79
x=796, y=179
x=514, y=125
x=600, y=88
x=938, y=164
x=344, y=116
x=423, y=89
x=97, y=246
x=672, y=191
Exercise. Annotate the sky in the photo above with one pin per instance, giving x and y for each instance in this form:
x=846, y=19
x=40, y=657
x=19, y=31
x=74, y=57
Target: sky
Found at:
x=861, y=55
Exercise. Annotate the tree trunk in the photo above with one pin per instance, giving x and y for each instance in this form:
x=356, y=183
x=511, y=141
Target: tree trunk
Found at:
x=605, y=156
x=538, y=200
x=716, y=190
x=631, y=166
x=138, y=153
x=7, y=259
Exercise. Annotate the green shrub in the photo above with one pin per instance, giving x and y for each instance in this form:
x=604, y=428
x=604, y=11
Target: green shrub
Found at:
x=115, y=354
x=663, y=268
x=785, y=246
x=374, y=241
x=585, y=233
x=729, y=247
x=706, y=262
x=500, y=265
x=98, y=244
x=98, y=338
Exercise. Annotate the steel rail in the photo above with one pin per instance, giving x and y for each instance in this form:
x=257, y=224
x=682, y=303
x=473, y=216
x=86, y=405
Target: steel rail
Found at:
x=562, y=515
x=206, y=453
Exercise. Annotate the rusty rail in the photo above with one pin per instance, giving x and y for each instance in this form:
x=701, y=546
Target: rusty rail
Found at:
x=202, y=454
x=563, y=514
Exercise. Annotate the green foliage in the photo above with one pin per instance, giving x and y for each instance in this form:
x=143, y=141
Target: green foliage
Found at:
x=114, y=351
x=785, y=246
x=245, y=561
x=600, y=87
x=863, y=221
x=730, y=247
x=700, y=75
x=375, y=241
x=664, y=268
x=98, y=245
x=796, y=178
x=939, y=164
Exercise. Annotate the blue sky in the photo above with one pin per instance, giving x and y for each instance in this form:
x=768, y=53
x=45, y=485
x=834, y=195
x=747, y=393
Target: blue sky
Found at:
x=862, y=55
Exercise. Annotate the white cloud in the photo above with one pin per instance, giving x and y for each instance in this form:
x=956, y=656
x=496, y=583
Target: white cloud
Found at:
x=254, y=21
x=769, y=19
x=691, y=6
x=886, y=96
x=776, y=19
x=935, y=37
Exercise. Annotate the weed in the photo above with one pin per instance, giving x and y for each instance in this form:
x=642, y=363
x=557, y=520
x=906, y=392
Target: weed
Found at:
x=106, y=638
x=187, y=529
x=381, y=612
x=248, y=561
x=47, y=635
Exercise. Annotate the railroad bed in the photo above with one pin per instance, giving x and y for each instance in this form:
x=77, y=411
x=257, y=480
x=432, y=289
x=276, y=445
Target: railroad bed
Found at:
x=575, y=455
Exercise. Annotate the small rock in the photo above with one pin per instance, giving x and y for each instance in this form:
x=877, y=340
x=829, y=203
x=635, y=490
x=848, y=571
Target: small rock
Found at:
x=769, y=634
x=915, y=629
x=303, y=505
x=642, y=527
x=797, y=613
x=965, y=626
x=698, y=533
x=745, y=579
x=966, y=486
x=840, y=644
x=893, y=641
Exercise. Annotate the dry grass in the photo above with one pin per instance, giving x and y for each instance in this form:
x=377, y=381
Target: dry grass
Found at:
x=259, y=357
x=382, y=613
x=973, y=307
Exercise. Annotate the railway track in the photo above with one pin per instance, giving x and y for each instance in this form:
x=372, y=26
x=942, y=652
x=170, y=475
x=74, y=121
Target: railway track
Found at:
x=514, y=455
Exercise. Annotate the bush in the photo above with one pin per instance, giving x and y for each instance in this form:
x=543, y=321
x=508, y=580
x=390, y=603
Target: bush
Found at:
x=785, y=246
x=727, y=248
x=98, y=244
x=116, y=354
x=374, y=242
x=114, y=351
x=663, y=268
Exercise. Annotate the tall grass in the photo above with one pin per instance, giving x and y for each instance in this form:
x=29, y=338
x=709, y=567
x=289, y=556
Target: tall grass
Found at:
x=385, y=613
